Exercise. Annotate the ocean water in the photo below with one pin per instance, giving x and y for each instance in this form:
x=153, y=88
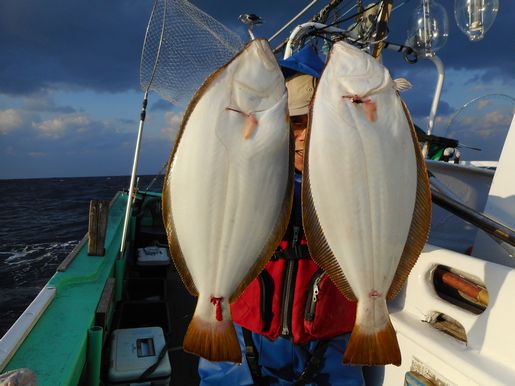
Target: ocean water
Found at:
x=41, y=220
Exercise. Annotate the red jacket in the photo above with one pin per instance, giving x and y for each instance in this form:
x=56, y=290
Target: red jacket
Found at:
x=293, y=296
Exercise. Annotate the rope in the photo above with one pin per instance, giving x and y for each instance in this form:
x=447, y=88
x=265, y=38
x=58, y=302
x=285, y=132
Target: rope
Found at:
x=217, y=302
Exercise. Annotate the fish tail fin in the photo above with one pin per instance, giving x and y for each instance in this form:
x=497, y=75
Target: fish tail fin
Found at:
x=373, y=345
x=212, y=338
x=215, y=341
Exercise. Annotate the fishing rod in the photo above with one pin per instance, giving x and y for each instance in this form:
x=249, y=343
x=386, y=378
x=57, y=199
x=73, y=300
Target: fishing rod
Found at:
x=320, y=17
x=480, y=220
x=293, y=19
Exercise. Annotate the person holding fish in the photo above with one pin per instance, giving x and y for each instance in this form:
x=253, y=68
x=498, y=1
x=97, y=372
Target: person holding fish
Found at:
x=295, y=324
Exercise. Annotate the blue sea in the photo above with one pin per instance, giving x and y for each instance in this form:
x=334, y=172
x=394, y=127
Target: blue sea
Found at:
x=41, y=220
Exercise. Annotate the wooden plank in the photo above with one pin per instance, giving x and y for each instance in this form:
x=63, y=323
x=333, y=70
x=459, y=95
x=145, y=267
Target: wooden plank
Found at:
x=98, y=213
x=104, y=304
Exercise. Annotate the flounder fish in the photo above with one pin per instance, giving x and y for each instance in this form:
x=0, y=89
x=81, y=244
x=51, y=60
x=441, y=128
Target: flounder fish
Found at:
x=366, y=198
x=228, y=191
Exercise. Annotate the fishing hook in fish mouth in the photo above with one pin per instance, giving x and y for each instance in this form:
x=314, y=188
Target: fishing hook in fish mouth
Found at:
x=369, y=106
x=250, y=124
x=357, y=99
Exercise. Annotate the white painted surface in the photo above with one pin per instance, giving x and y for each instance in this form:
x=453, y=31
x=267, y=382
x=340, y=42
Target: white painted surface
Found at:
x=500, y=204
x=465, y=183
x=488, y=356
x=15, y=336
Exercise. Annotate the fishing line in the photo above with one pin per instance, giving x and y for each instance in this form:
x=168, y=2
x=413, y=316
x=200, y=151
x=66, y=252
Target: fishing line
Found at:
x=160, y=173
x=352, y=16
x=339, y=21
x=362, y=40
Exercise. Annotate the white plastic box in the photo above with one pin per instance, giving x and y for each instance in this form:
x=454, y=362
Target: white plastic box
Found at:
x=153, y=256
x=133, y=351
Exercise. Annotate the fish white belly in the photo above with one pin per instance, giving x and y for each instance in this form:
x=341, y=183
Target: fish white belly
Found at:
x=363, y=181
x=228, y=191
x=366, y=205
x=228, y=195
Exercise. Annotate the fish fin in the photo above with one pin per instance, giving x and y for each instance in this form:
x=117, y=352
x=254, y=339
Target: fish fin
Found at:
x=421, y=221
x=173, y=241
x=176, y=252
x=277, y=233
x=317, y=244
x=402, y=84
x=171, y=233
x=373, y=346
x=214, y=341
x=249, y=126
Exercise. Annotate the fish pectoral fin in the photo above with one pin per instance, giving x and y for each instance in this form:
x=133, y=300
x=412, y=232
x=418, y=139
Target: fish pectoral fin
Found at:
x=402, y=84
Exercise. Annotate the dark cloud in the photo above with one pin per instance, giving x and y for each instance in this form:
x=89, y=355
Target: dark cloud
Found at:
x=71, y=44
x=96, y=44
x=161, y=105
x=44, y=102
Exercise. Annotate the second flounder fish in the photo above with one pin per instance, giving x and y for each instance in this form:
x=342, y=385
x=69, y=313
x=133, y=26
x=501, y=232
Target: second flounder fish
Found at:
x=366, y=200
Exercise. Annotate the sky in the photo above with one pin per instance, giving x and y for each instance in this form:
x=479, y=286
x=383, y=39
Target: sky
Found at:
x=70, y=94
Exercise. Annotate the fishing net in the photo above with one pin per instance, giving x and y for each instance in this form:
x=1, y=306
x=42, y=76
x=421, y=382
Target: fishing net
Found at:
x=183, y=45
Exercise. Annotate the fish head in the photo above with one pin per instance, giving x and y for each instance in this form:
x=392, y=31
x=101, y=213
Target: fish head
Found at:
x=358, y=73
x=258, y=83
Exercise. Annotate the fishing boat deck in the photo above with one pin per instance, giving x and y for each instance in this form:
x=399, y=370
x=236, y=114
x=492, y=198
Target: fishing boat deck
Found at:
x=156, y=296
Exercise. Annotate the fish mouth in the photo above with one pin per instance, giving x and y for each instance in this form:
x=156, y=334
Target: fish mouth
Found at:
x=299, y=152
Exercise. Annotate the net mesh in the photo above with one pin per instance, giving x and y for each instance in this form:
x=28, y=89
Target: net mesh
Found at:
x=183, y=45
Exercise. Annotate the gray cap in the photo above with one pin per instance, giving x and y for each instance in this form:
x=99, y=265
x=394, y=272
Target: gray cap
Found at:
x=300, y=92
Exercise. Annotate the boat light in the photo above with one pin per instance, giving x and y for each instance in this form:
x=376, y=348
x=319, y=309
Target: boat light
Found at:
x=475, y=17
x=428, y=28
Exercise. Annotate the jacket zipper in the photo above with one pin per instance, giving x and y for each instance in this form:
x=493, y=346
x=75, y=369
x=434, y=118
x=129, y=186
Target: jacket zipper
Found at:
x=288, y=286
x=313, y=297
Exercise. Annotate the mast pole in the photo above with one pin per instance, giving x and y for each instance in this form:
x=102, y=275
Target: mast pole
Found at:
x=382, y=27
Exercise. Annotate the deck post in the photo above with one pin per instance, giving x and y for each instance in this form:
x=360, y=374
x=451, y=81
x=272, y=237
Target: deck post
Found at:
x=119, y=270
x=94, y=355
x=98, y=213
